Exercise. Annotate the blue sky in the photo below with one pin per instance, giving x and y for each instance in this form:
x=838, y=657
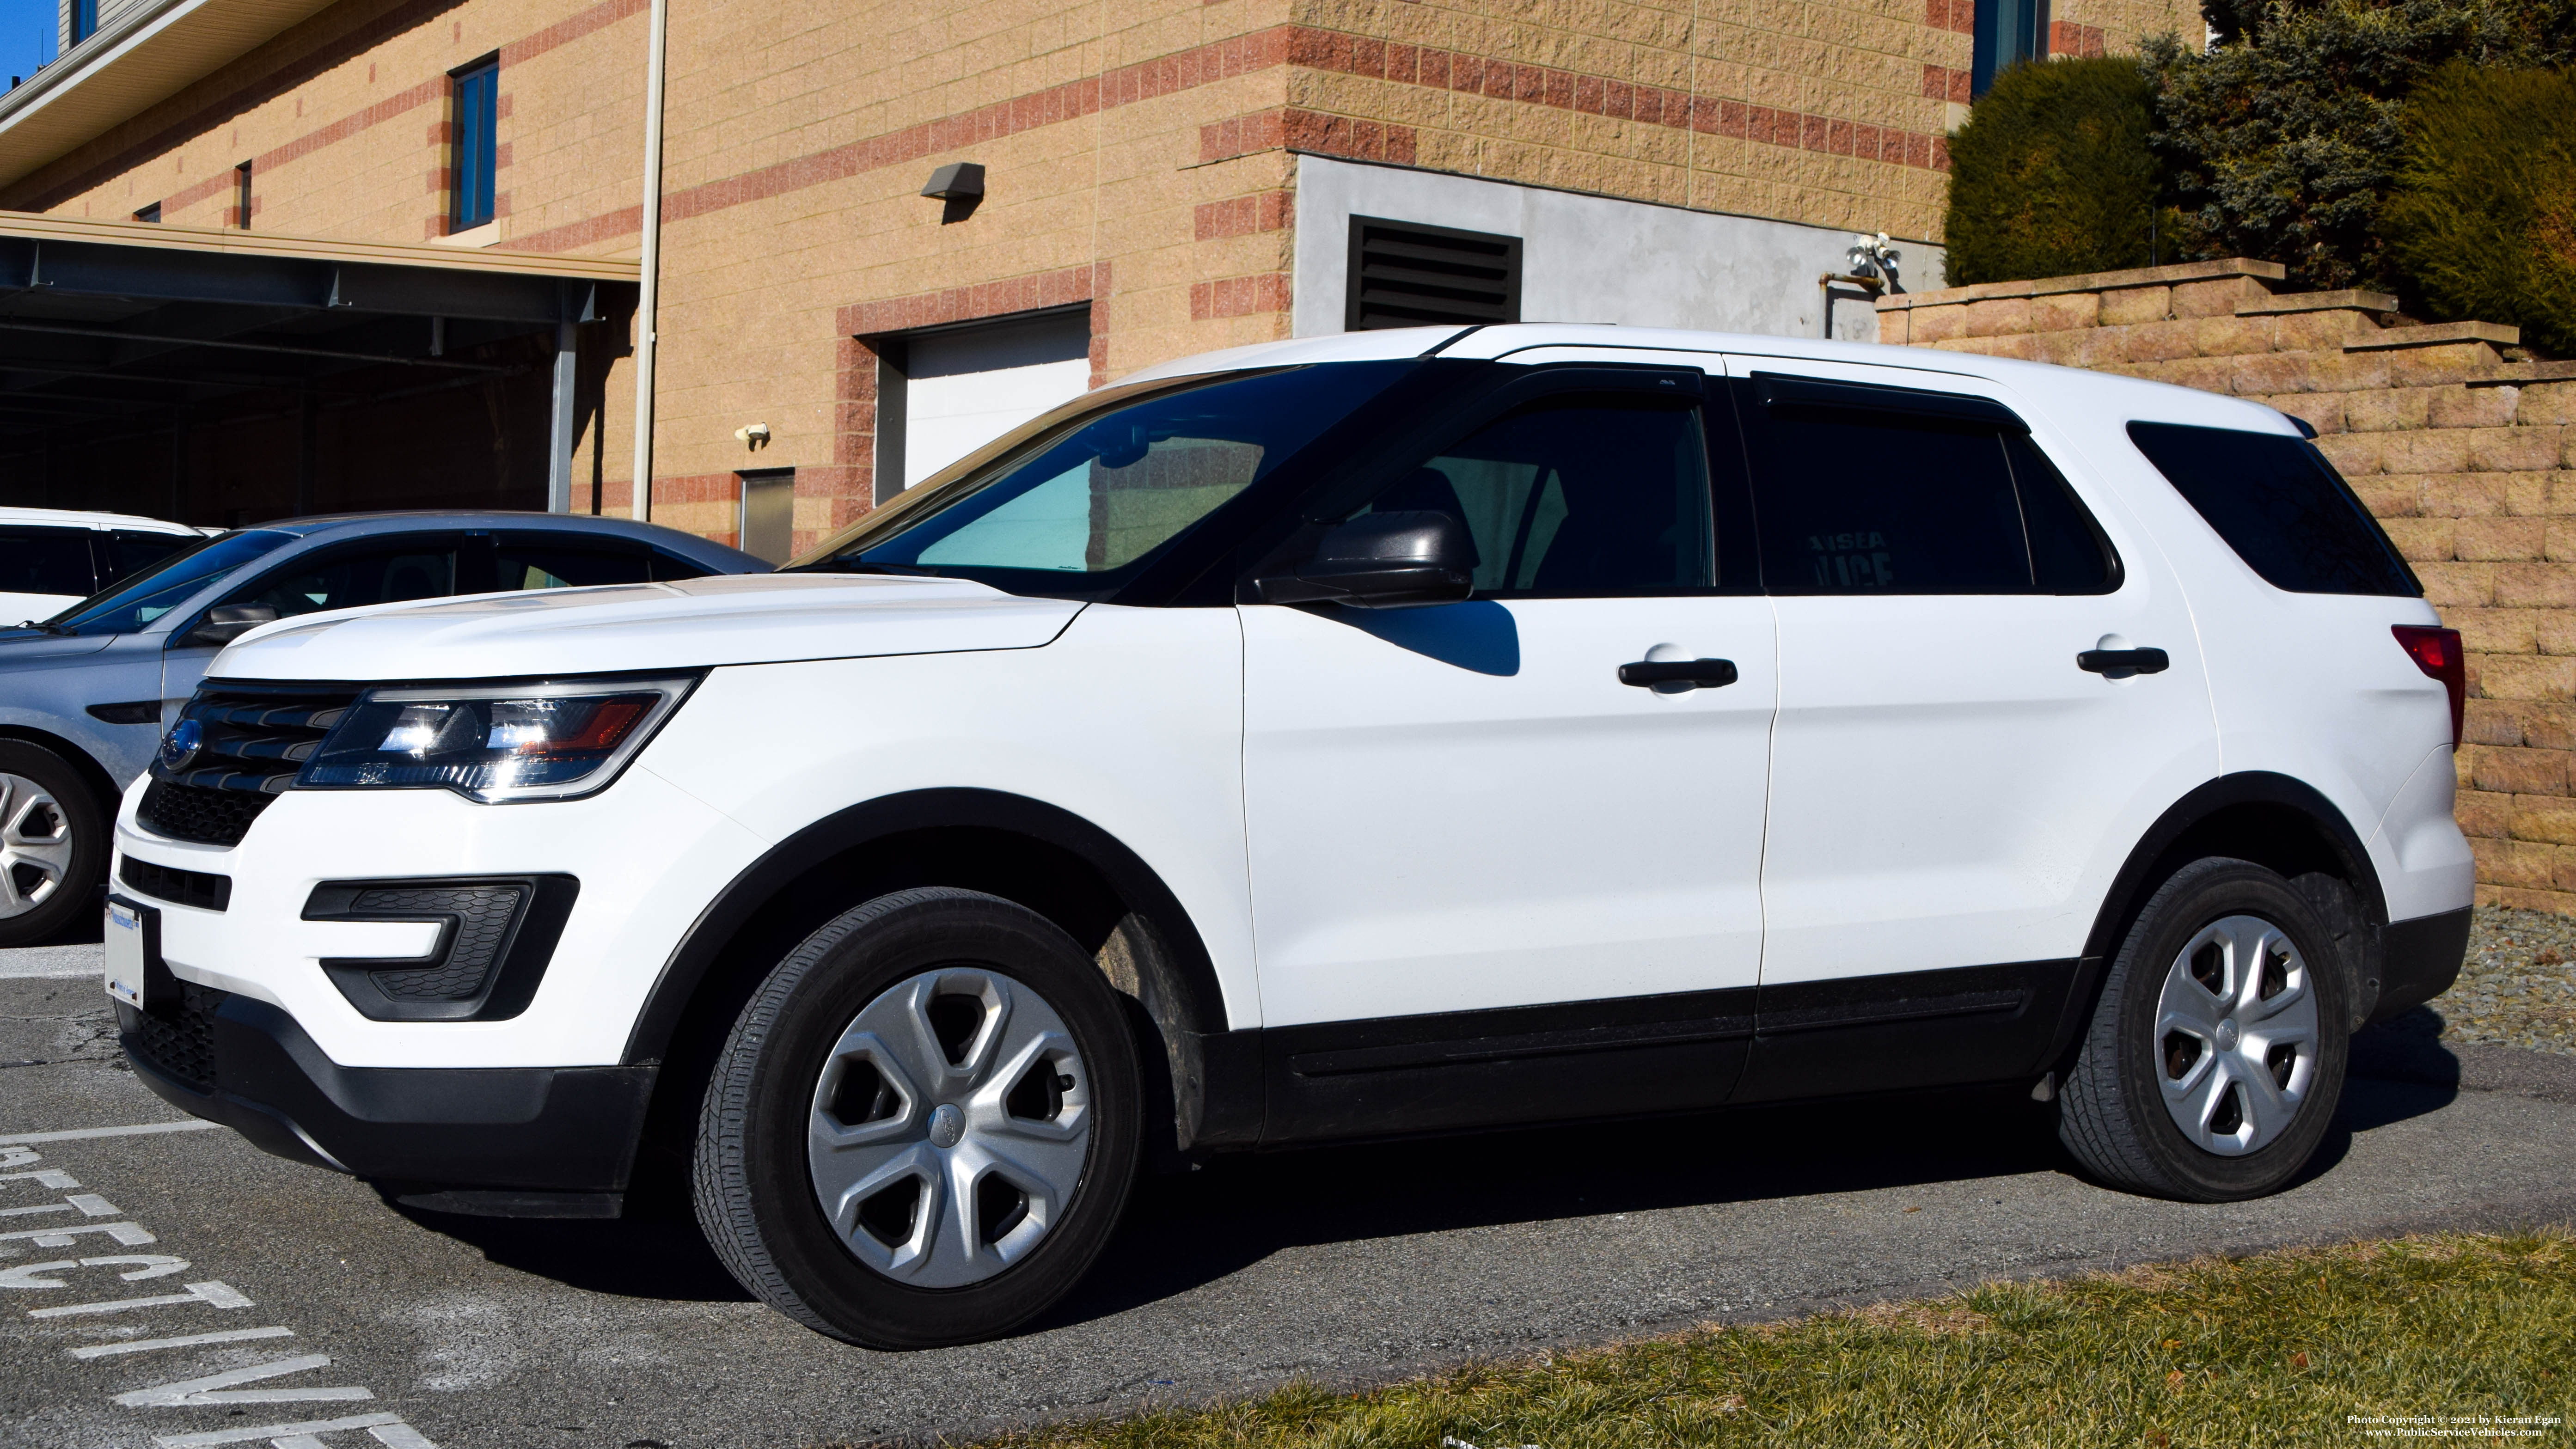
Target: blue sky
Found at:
x=26, y=36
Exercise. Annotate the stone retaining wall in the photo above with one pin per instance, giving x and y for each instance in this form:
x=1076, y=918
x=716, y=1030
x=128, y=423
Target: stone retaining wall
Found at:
x=2462, y=445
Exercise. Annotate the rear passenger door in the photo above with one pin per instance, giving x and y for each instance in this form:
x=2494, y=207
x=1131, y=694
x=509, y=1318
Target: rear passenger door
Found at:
x=1951, y=786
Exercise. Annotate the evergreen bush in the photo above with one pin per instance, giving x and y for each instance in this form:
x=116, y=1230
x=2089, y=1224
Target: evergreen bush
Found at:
x=2483, y=217
x=2052, y=174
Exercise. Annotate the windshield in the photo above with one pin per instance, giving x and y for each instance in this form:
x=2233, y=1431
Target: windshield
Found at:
x=1073, y=503
x=134, y=601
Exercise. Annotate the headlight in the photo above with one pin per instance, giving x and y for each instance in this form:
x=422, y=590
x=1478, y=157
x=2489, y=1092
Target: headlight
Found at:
x=493, y=742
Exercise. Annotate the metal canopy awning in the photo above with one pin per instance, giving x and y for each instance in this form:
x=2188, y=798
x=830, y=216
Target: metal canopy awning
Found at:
x=131, y=323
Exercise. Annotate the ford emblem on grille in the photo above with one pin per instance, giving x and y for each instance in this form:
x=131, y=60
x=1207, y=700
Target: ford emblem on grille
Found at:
x=181, y=745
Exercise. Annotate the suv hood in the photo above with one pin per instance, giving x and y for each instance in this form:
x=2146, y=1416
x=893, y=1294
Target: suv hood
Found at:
x=741, y=619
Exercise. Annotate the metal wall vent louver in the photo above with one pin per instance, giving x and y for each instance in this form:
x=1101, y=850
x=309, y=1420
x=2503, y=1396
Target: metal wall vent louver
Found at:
x=1404, y=274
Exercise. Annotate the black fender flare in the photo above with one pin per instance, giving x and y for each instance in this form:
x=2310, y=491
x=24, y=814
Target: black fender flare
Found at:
x=2152, y=859
x=1195, y=1002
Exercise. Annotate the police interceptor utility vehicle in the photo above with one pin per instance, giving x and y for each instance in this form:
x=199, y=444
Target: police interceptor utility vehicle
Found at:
x=1335, y=738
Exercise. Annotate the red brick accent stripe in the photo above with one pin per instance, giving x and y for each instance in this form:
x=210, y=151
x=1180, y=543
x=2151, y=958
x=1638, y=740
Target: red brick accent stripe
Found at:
x=1240, y=216
x=1958, y=15
x=984, y=299
x=1601, y=96
x=1941, y=83
x=1072, y=100
x=2065, y=37
x=1239, y=296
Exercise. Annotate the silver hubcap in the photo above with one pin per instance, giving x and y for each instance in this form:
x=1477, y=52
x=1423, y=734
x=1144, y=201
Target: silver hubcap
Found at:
x=2236, y=1035
x=949, y=1128
x=35, y=845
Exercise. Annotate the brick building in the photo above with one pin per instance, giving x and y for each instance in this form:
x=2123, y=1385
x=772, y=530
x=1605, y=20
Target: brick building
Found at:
x=1159, y=177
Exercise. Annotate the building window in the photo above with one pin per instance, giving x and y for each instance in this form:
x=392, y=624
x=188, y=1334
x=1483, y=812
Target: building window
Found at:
x=241, y=196
x=769, y=513
x=478, y=97
x=84, y=20
x=149, y=213
x=2008, y=33
x=1407, y=275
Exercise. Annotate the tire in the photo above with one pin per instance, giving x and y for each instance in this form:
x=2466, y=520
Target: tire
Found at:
x=898, y=1199
x=2147, y=1106
x=53, y=844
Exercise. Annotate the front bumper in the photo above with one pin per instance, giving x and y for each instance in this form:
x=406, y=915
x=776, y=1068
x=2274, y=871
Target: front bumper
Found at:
x=535, y=1141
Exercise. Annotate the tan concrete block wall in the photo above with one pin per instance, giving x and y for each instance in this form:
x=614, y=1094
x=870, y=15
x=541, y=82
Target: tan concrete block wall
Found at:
x=2466, y=456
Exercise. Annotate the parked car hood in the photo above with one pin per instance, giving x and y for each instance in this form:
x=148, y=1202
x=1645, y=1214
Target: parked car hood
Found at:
x=741, y=619
x=30, y=646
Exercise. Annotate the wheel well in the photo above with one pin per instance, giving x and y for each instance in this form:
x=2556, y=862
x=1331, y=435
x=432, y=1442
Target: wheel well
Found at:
x=1049, y=877
x=2275, y=822
x=101, y=784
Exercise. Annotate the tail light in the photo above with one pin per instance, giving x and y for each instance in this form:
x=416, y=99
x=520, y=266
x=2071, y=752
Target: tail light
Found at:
x=2437, y=652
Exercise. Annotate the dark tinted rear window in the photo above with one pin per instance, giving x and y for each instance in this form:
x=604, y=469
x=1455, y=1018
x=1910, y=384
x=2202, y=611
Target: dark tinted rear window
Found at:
x=2281, y=506
x=45, y=561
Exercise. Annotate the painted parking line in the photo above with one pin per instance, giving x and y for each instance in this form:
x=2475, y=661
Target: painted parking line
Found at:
x=14, y=972
x=230, y=1390
x=81, y=1134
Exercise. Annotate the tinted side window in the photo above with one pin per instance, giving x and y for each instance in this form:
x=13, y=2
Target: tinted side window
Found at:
x=672, y=566
x=45, y=561
x=545, y=564
x=128, y=554
x=1586, y=497
x=412, y=568
x=1856, y=499
x=2281, y=506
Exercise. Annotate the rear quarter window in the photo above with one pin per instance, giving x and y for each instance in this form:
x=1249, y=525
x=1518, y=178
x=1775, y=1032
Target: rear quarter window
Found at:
x=2281, y=506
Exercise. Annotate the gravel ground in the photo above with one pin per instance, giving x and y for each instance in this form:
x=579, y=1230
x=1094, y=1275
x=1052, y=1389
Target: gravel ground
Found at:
x=2518, y=987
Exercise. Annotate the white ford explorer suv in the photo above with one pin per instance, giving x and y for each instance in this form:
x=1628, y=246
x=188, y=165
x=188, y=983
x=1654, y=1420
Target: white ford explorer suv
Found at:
x=1329, y=739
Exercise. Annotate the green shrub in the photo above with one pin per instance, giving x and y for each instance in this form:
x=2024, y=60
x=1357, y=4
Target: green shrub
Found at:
x=2284, y=143
x=2051, y=175
x=2483, y=219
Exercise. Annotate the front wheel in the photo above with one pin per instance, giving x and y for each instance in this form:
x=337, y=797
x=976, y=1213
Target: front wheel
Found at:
x=2216, y=1056
x=53, y=844
x=925, y=1124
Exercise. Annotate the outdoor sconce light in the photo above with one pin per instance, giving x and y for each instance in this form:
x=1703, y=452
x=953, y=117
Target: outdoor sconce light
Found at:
x=959, y=184
x=754, y=436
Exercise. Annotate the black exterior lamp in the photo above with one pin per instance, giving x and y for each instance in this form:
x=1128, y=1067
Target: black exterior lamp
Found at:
x=960, y=185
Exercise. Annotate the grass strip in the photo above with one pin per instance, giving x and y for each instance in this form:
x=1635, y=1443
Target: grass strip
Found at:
x=2302, y=1346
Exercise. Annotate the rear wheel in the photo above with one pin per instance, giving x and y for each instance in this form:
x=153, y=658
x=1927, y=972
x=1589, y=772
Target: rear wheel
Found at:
x=2216, y=1056
x=53, y=843
x=925, y=1124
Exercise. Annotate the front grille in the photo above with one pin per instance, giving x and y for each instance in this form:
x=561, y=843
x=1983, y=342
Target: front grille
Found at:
x=252, y=738
x=197, y=814
x=182, y=1043
x=202, y=889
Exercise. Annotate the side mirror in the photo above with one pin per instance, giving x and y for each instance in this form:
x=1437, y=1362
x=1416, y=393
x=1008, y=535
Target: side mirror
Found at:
x=1398, y=560
x=227, y=622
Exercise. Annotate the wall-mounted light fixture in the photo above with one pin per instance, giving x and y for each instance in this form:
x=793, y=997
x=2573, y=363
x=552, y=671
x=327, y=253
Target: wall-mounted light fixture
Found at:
x=754, y=436
x=960, y=185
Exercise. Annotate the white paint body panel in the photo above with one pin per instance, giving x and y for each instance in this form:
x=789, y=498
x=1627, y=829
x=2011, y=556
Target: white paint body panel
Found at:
x=1462, y=807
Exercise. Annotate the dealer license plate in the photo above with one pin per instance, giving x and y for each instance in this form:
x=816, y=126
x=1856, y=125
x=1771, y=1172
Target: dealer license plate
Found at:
x=126, y=977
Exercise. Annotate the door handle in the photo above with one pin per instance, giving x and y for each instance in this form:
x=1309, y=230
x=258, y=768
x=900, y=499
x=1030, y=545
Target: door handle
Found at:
x=2127, y=661
x=1688, y=673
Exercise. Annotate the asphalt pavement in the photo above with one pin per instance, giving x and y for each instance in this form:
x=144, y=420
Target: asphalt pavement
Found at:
x=316, y=1314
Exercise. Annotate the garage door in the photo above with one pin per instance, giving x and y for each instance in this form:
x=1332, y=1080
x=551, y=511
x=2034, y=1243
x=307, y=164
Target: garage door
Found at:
x=965, y=388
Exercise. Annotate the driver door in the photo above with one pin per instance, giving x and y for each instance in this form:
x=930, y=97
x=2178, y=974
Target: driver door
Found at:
x=1491, y=881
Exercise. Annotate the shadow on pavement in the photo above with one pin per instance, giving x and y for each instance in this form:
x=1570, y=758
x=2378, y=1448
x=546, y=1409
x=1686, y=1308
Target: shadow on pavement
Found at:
x=655, y=1251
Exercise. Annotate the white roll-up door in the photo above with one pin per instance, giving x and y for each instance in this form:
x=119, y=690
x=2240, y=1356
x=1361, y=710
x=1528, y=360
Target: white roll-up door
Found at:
x=966, y=387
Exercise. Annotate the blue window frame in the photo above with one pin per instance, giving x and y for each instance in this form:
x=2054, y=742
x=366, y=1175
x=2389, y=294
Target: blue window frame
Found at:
x=478, y=95
x=84, y=20
x=2008, y=32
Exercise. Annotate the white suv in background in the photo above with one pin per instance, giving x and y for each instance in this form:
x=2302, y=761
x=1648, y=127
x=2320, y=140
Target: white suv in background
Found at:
x=1330, y=739
x=52, y=558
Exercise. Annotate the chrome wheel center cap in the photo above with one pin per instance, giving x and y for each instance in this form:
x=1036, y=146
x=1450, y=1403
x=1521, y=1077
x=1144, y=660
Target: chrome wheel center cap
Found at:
x=947, y=1124
x=2226, y=1038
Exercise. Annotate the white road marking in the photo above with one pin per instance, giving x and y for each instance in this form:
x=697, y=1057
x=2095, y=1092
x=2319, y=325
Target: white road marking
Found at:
x=146, y=1265
x=48, y=973
x=89, y=1203
x=218, y=1388
x=132, y=1235
x=185, y=1340
x=42, y=1207
x=372, y=1423
x=212, y=1294
x=192, y=1124
x=53, y=1177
